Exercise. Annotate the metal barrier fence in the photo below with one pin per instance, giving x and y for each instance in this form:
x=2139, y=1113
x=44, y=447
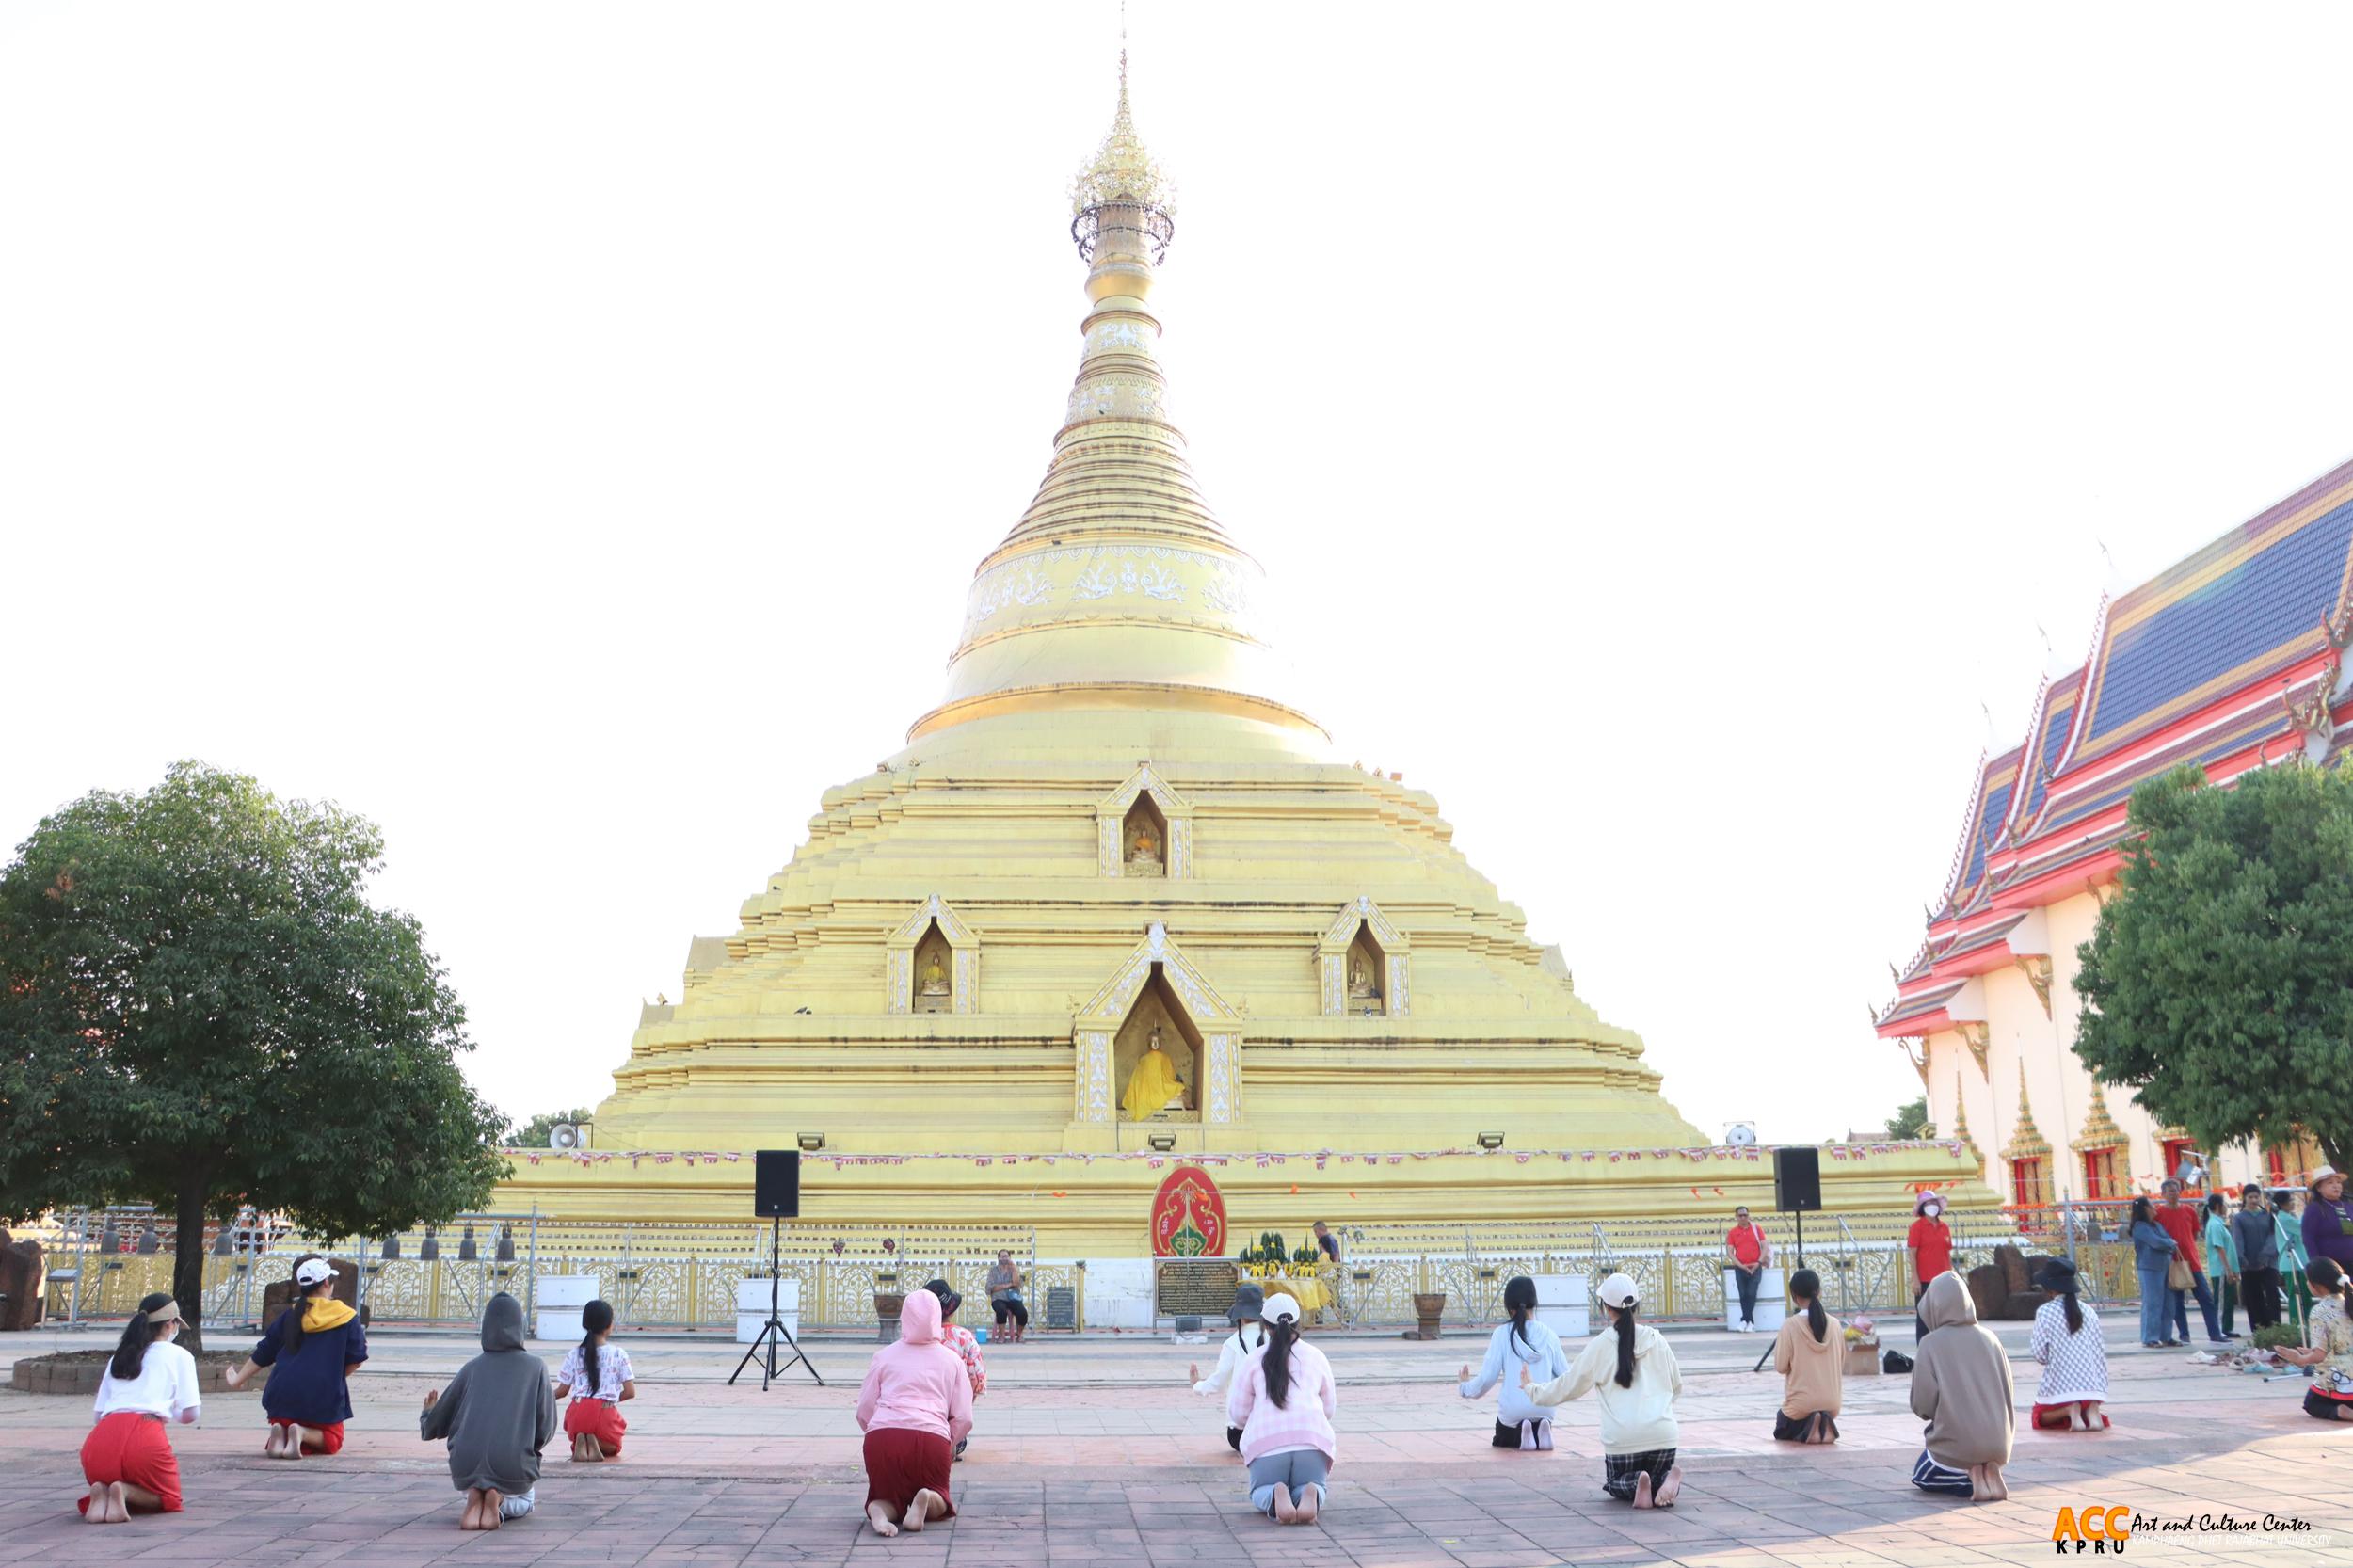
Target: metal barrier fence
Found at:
x=686, y=1277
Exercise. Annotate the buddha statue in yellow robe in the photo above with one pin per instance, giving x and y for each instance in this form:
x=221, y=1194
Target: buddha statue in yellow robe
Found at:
x=1154, y=1085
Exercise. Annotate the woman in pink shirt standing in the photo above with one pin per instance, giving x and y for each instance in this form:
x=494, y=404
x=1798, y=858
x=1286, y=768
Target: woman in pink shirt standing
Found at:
x=915, y=1407
x=1283, y=1401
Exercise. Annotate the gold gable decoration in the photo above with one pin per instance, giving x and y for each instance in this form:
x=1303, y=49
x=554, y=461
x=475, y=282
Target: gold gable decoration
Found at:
x=2100, y=1130
x=1960, y=1133
x=2026, y=1141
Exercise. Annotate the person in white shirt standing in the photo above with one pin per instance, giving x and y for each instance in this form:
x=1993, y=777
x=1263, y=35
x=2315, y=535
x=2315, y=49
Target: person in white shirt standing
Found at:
x=126, y=1458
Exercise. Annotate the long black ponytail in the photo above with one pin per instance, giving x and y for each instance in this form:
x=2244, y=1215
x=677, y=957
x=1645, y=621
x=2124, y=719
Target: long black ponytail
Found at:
x=597, y=1317
x=1806, y=1286
x=2074, y=1307
x=290, y=1326
x=2328, y=1274
x=1281, y=1336
x=1625, y=1345
x=1519, y=1299
x=139, y=1333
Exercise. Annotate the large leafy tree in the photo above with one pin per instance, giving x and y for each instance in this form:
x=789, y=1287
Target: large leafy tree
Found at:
x=2219, y=986
x=1911, y=1119
x=199, y=1007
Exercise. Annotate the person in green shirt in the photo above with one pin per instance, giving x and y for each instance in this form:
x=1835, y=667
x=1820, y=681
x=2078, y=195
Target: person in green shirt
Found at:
x=2223, y=1250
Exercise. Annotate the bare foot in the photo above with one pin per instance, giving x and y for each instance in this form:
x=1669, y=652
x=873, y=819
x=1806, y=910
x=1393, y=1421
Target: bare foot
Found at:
x=1285, y=1511
x=878, y=1516
x=1995, y=1490
x=2093, y=1420
x=118, y=1505
x=918, y=1512
x=1668, y=1488
x=585, y=1449
x=1641, y=1491
x=94, y=1510
x=272, y=1441
x=491, y=1517
x=471, y=1518
x=1310, y=1503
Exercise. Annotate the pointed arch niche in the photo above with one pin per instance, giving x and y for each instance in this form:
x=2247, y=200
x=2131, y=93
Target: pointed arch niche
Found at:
x=933, y=932
x=1363, y=962
x=1156, y=985
x=1143, y=829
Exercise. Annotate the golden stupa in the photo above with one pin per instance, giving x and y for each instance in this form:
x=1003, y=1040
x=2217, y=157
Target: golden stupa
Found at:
x=1115, y=903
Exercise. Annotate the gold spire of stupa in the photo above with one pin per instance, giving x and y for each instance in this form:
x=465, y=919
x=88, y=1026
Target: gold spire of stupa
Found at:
x=1117, y=588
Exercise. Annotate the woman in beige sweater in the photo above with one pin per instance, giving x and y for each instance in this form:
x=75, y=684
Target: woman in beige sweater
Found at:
x=1810, y=1354
x=1961, y=1386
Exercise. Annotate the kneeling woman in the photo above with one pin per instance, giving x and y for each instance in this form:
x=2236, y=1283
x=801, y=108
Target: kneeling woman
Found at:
x=1811, y=1357
x=2067, y=1342
x=598, y=1377
x=1283, y=1401
x=1521, y=1344
x=1638, y=1380
x=312, y=1347
x=915, y=1406
x=2329, y=1343
x=126, y=1458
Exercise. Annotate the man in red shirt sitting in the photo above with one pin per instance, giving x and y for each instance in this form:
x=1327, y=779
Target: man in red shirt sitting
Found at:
x=1929, y=1243
x=1751, y=1251
x=2180, y=1220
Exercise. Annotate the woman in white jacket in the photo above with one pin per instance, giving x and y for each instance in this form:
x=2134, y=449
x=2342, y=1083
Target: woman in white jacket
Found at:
x=1524, y=1345
x=1636, y=1375
x=1240, y=1347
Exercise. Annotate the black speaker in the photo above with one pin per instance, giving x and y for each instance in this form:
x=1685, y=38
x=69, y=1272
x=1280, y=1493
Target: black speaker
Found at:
x=776, y=1184
x=1797, y=1180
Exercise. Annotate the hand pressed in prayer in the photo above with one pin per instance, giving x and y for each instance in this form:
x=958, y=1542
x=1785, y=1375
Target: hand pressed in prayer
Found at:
x=1465, y=1377
x=1527, y=1374
x=432, y=1398
x=1193, y=1371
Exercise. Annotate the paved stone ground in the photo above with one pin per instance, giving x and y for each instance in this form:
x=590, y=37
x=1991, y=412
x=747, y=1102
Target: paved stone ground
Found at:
x=1093, y=1452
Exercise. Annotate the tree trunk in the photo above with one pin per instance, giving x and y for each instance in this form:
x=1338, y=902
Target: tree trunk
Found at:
x=187, y=1265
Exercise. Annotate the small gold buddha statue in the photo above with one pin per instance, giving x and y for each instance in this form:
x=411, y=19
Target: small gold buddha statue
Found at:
x=1144, y=852
x=1360, y=985
x=935, y=977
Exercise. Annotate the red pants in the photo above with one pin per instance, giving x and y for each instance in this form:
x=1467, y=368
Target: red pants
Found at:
x=2056, y=1415
x=330, y=1435
x=601, y=1420
x=900, y=1462
x=130, y=1448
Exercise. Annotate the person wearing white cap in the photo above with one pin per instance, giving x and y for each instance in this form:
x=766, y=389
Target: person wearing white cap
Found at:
x=1283, y=1401
x=311, y=1348
x=1633, y=1370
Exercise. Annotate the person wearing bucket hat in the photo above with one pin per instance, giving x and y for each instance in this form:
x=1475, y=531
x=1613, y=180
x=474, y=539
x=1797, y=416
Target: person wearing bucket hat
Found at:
x=1527, y=1342
x=311, y=1348
x=2328, y=1220
x=1247, y=1340
x=1632, y=1370
x=2067, y=1341
x=1283, y=1400
x=127, y=1460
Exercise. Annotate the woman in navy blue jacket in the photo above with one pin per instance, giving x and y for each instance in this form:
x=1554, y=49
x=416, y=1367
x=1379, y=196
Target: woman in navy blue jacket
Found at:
x=312, y=1347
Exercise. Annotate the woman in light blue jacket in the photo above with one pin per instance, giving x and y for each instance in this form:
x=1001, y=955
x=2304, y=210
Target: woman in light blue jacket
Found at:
x=2153, y=1256
x=1523, y=1342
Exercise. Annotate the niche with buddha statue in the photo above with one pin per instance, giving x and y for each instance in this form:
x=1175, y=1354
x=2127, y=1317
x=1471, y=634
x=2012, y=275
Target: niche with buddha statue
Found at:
x=1156, y=1058
x=1145, y=829
x=1363, y=963
x=1157, y=996
x=931, y=962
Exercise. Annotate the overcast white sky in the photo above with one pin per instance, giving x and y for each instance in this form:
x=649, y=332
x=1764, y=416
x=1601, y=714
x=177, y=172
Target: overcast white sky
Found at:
x=564, y=433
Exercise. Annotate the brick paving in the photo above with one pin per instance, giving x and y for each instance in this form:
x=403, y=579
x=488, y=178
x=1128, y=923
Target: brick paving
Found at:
x=1093, y=1452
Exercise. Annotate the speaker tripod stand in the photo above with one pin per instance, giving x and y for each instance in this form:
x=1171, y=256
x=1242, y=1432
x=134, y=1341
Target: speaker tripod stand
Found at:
x=775, y=1334
x=1798, y=1216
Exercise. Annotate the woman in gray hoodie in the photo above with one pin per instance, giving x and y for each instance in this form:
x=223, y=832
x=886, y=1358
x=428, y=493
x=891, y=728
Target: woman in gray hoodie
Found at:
x=498, y=1414
x=1961, y=1386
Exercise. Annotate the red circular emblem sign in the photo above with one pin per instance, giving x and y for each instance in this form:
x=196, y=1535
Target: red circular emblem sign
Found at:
x=1189, y=1216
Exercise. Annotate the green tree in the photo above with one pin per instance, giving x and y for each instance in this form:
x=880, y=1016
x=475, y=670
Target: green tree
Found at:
x=533, y=1134
x=198, y=1007
x=2216, y=986
x=1911, y=1120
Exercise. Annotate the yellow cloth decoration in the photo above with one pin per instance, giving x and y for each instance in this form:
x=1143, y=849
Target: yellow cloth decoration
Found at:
x=1152, y=1086
x=320, y=1313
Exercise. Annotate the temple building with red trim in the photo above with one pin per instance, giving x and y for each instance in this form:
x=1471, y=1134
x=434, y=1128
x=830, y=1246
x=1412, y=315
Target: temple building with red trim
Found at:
x=2233, y=658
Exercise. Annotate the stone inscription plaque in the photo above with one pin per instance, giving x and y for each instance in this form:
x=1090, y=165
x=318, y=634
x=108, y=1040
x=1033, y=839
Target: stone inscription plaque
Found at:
x=1201, y=1287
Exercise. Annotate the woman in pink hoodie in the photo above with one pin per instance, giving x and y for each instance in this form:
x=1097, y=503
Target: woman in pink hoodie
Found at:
x=916, y=1406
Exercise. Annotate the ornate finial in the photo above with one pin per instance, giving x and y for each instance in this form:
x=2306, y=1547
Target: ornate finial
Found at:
x=1122, y=174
